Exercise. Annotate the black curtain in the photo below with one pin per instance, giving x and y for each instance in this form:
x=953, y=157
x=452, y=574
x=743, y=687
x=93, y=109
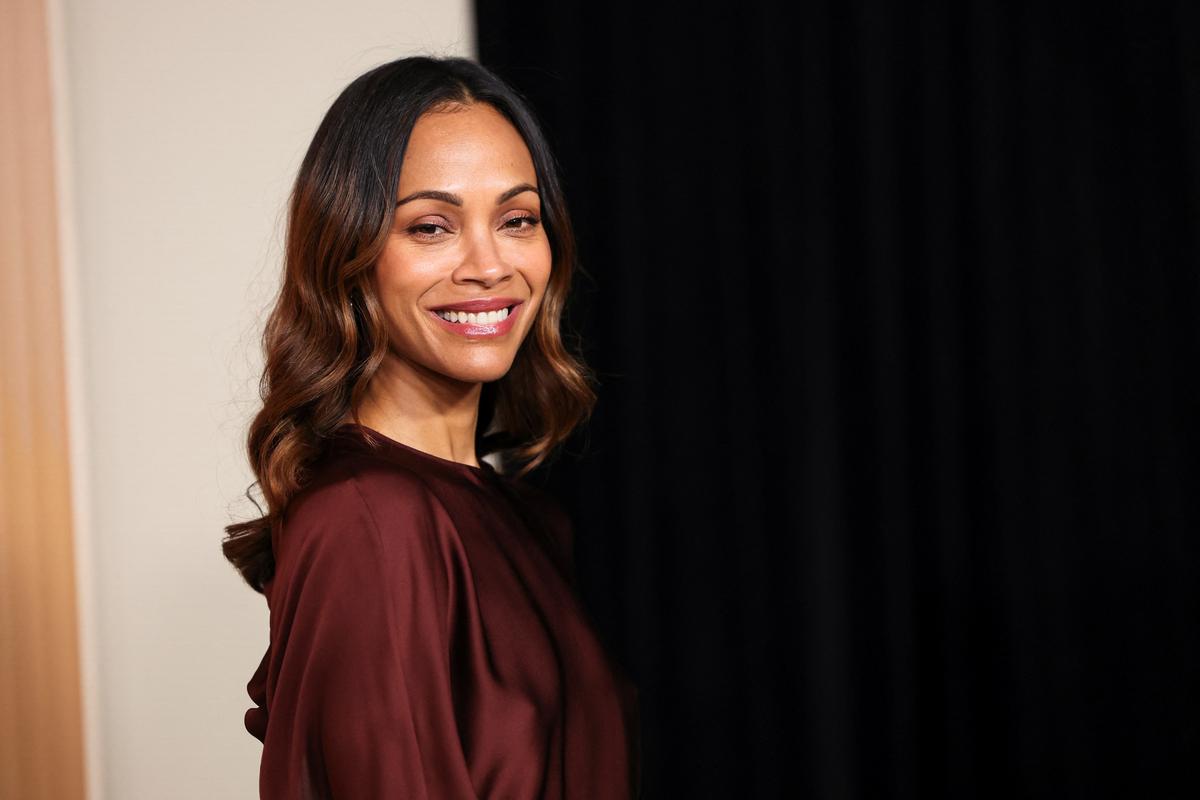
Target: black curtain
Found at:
x=891, y=489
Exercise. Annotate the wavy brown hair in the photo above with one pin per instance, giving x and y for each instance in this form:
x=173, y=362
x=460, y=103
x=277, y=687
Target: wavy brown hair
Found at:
x=325, y=337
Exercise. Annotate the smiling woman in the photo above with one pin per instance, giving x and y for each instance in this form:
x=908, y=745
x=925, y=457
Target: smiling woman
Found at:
x=467, y=230
x=426, y=639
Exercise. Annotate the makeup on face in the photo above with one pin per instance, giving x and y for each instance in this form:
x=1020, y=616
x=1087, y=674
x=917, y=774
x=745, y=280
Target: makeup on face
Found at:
x=463, y=274
x=479, y=319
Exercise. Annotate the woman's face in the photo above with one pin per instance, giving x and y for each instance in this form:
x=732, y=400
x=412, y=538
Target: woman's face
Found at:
x=467, y=233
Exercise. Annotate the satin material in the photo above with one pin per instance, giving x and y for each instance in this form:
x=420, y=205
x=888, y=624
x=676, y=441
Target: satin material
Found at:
x=426, y=641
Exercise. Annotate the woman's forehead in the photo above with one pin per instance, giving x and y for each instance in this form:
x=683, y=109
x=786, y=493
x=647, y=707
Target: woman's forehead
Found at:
x=467, y=145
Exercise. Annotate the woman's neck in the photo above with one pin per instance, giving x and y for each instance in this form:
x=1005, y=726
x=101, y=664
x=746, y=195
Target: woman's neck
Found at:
x=422, y=409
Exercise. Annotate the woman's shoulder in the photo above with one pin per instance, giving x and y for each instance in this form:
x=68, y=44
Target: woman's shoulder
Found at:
x=360, y=531
x=347, y=495
x=342, y=478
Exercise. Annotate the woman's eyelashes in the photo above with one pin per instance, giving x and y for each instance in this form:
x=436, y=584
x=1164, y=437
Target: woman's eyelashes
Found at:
x=426, y=230
x=529, y=220
x=429, y=231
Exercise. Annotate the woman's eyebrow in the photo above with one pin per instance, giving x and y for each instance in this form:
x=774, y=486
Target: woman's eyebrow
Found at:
x=455, y=200
x=516, y=190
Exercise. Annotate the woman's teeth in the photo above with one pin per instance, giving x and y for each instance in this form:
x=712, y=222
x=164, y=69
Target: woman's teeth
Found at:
x=484, y=318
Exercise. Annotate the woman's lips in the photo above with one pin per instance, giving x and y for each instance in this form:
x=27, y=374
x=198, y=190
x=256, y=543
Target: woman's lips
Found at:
x=477, y=330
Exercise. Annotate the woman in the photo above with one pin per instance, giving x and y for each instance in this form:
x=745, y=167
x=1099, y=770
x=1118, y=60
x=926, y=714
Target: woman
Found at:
x=426, y=640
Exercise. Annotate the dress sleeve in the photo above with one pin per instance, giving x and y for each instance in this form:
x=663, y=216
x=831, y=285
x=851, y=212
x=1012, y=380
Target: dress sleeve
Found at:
x=358, y=695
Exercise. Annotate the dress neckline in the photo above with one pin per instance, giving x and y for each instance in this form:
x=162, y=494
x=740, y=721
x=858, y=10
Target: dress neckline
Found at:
x=363, y=431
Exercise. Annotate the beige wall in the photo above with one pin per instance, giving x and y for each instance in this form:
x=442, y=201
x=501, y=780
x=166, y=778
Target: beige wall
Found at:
x=181, y=127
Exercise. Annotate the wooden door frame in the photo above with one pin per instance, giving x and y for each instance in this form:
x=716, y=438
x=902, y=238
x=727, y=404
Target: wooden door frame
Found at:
x=41, y=726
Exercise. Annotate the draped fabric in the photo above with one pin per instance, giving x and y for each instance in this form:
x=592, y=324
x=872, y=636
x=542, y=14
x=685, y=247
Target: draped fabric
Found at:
x=892, y=486
x=426, y=641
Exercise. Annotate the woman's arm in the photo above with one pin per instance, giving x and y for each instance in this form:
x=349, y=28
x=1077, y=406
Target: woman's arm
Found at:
x=358, y=686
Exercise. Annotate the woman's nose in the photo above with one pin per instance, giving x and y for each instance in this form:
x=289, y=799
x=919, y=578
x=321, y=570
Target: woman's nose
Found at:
x=483, y=260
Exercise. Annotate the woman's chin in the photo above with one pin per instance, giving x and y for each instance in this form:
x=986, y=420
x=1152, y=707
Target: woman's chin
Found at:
x=480, y=373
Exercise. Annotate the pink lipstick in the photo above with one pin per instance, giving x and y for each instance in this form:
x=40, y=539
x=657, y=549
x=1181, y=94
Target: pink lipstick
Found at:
x=479, y=329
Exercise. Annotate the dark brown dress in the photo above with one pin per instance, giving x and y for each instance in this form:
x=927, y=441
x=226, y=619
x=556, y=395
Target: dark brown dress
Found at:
x=426, y=641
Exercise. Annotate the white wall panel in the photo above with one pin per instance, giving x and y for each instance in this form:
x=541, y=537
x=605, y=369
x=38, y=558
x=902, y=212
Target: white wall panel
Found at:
x=185, y=124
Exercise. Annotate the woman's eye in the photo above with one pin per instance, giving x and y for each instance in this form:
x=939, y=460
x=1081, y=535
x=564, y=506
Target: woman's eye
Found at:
x=425, y=230
x=530, y=219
